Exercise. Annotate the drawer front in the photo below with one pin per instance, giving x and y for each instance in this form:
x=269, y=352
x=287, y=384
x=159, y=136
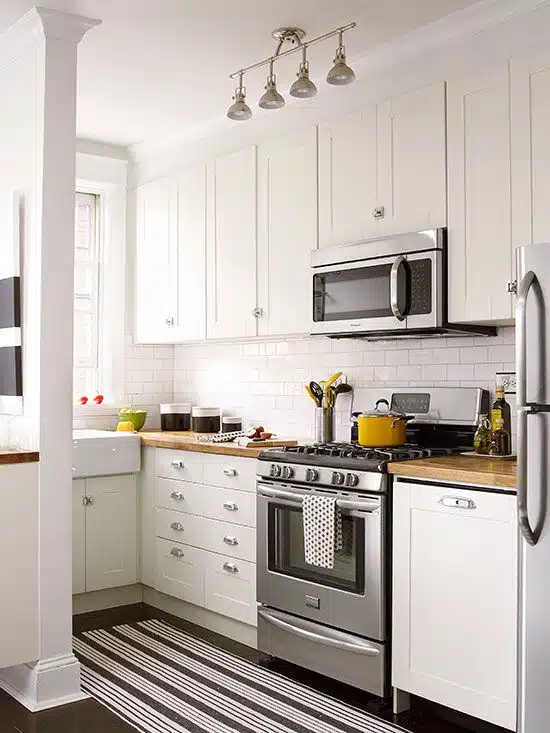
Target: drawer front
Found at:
x=180, y=571
x=461, y=501
x=230, y=588
x=181, y=465
x=230, y=539
x=229, y=505
x=181, y=496
x=178, y=527
x=231, y=473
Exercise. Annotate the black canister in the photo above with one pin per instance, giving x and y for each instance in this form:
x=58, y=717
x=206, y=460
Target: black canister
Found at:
x=231, y=424
x=206, y=419
x=175, y=417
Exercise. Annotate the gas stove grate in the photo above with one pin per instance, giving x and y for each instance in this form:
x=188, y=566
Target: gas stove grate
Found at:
x=408, y=451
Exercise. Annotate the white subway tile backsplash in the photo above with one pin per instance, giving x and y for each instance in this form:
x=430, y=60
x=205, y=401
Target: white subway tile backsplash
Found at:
x=474, y=355
x=397, y=357
x=447, y=355
x=421, y=356
x=434, y=372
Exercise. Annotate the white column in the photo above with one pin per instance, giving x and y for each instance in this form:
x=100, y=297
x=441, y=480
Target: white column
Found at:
x=44, y=44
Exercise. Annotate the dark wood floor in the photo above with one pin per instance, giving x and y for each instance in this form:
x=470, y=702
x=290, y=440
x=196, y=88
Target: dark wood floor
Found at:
x=90, y=716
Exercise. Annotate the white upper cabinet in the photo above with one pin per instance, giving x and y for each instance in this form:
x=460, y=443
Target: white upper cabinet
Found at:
x=153, y=291
x=530, y=109
x=287, y=232
x=382, y=170
x=348, y=187
x=189, y=276
x=411, y=167
x=231, y=261
x=479, y=189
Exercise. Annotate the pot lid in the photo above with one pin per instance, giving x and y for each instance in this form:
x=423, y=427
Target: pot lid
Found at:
x=382, y=409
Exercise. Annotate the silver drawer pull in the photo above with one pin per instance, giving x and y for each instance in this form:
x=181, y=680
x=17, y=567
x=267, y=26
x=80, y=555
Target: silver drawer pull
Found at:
x=229, y=540
x=177, y=495
x=228, y=471
x=178, y=526
x=230, y=567
x=457, y=502
x=176, y=552
x=177, y=464
x=230, y=506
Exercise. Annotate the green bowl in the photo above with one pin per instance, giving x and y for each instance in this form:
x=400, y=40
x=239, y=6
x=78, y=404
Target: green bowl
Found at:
x=136, y=417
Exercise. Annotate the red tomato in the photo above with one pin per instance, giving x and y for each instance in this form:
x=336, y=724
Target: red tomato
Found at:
x=83, y=400
x=98, y=399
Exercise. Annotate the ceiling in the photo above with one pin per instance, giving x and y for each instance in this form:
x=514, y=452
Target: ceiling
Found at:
x=158, y=68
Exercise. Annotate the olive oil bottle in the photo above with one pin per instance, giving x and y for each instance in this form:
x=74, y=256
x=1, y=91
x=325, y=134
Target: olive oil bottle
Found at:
x=501, y=424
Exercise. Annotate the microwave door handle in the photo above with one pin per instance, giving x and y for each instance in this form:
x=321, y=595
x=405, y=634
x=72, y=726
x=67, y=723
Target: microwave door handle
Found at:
x=394, y=282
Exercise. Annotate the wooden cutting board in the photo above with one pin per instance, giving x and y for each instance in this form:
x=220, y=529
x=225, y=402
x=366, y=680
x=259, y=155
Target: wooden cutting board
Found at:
x=247, y=443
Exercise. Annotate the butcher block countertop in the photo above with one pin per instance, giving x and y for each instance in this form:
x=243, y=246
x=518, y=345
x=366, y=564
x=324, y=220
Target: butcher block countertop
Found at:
x=16, y=455
x=462, y=469
x=188, y=441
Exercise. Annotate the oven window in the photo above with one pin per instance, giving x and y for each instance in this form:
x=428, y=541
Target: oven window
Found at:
x=421, y=287
x=286, y=551
x=358, y=293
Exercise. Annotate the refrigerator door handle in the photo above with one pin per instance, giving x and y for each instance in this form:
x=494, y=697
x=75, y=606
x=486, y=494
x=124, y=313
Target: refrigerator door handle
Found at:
x=523, y=409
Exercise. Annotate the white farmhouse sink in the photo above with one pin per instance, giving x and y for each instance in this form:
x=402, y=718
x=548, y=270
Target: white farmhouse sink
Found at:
x=105, y=453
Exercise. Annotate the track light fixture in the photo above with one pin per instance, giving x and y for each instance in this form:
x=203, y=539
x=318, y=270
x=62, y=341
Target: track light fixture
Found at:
x=239, y=110
x=303, y=87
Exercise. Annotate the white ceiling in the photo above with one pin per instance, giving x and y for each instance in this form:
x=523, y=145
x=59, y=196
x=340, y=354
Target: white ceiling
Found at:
x=155, y=69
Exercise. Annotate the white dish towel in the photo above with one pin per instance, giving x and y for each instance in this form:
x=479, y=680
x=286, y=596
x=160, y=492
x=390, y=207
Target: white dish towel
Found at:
x=322, y=530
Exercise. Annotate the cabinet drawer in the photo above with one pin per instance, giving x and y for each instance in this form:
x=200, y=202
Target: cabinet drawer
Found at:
x=180, y=571
x=230, y=505
x=181, y=465
x=230, y=539
x=230, y=587
x=182, y=496
x=461, y=501
x=232, y=473
x=180, y=527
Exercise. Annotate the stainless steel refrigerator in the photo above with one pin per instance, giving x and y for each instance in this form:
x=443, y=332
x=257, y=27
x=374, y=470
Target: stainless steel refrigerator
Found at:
x=533, y=402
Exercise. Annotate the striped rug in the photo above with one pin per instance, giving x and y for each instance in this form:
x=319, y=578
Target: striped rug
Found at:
x=162, y=680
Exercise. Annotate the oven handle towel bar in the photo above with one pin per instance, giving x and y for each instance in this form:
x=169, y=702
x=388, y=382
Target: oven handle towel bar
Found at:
x=365, y=505
x=329, y=637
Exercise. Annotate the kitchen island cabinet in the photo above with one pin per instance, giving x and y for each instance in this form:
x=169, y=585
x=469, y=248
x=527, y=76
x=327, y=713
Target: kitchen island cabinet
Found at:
x=454, y=605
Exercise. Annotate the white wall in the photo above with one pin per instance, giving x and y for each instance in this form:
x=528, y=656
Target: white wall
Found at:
x=263, y=382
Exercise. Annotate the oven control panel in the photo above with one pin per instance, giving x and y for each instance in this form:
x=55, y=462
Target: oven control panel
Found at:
x=322, y=476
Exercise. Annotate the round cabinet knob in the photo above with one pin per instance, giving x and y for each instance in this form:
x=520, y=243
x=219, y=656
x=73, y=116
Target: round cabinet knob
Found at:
x=338, y=478
x=288, y=472
x=275, y=471
x=169, y=321
x=312, y=474
x=352, y=479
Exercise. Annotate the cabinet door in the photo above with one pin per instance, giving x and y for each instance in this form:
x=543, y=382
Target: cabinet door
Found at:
x=79, y=536
x=231, y=263
x=348, y=178
x=530, y=108
x=111, y=542
x=189, y=230
x=154, y=285
x=455, y=599
x=480, y=243
x=411, y=161
x=287, y=232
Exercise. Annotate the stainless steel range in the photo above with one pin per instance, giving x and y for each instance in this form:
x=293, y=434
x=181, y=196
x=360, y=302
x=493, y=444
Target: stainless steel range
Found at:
x=336, y=621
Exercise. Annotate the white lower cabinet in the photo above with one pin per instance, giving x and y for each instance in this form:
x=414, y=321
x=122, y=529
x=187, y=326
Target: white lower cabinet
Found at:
x=104, y=533
x=455, y=598
x=201, y=537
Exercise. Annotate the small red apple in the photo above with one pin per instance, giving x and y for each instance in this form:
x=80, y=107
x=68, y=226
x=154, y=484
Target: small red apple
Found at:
x=83, y=400
x=98, y=399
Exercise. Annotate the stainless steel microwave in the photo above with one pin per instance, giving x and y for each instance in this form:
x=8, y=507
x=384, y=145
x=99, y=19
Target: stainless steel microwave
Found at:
x=385, y=288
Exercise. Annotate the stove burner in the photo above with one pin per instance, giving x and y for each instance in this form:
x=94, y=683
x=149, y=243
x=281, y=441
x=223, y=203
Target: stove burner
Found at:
x=354, y=450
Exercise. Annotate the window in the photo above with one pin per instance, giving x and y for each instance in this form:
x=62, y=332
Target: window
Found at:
x=87, y=296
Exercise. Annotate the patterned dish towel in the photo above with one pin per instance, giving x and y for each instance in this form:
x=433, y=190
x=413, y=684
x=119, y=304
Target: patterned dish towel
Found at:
x=322, y=530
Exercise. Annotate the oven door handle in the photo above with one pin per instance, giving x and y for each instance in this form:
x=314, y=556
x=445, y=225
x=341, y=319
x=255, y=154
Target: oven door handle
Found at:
x=362, y=506
x=330, y=637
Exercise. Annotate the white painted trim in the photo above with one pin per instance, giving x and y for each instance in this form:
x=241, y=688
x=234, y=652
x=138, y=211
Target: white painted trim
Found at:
x=44, y=684
x=10, y=405
x=10, y=336
x=99, y=600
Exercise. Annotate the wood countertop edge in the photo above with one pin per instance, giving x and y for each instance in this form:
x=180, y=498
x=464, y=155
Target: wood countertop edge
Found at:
x=153, y=440
x=10, y=457
x=472, y=471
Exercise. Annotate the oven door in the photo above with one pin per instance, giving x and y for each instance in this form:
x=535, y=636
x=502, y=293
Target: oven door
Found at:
x=385, y=294
x=350, y=596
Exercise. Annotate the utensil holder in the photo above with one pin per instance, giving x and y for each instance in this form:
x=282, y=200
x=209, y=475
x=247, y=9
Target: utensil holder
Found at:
x=324, y=424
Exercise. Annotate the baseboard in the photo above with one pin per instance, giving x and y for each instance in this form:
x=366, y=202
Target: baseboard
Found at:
x=236, y=630
x=45, y=684
x=99, y=600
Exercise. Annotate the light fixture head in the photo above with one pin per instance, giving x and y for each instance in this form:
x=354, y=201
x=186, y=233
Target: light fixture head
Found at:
x=239, y=110
x=271, y=99
x=303, y=87
x=340, y=73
